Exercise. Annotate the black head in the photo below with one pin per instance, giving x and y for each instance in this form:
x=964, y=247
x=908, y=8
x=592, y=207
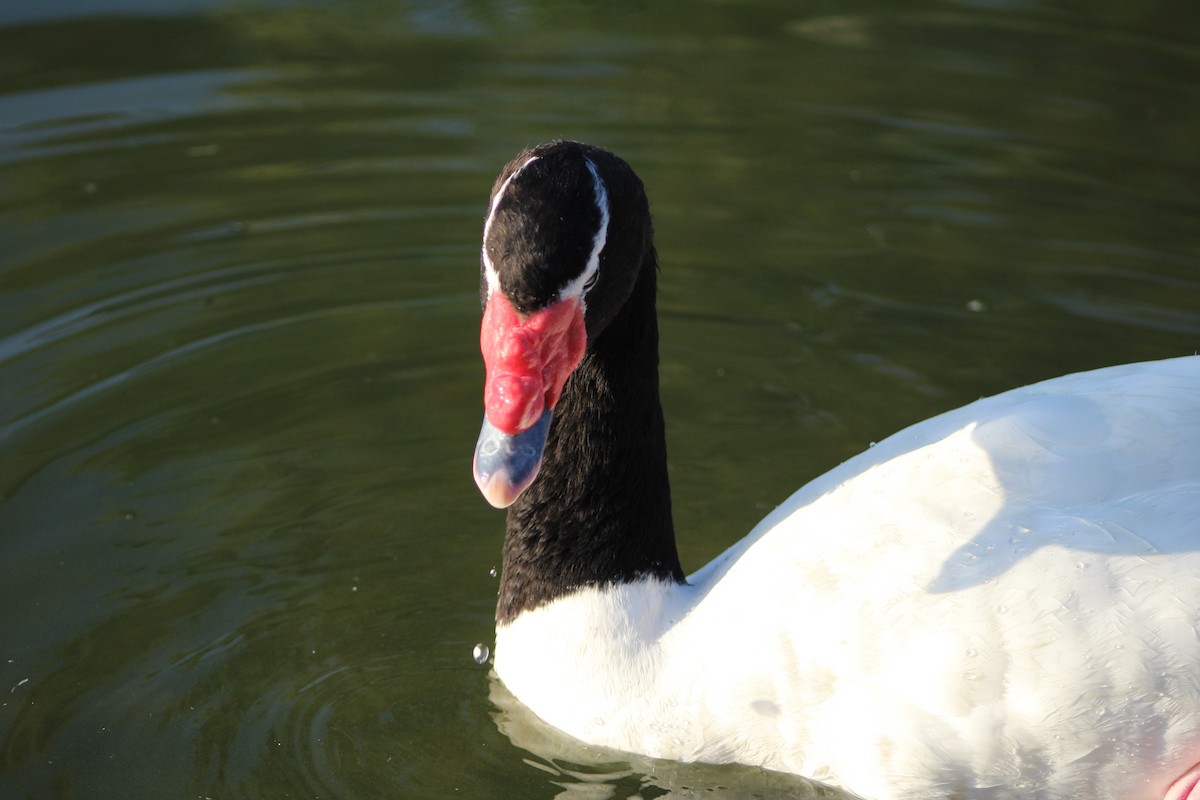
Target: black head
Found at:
x=550, y=209
x=567, y=245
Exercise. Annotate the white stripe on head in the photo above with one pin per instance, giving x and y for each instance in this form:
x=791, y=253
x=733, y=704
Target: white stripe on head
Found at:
x=489, y=269
x=576, y=287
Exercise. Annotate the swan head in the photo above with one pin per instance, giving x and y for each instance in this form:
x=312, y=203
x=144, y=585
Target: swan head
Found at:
x=566, y=234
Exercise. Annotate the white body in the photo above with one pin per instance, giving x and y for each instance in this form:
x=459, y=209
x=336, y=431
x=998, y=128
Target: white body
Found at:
x=999, y=602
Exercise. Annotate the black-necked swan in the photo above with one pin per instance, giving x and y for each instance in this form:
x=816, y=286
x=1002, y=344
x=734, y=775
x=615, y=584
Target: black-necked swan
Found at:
x=1002, y=601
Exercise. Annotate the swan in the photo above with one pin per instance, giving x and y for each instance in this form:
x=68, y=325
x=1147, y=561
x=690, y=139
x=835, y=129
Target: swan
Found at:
x=1002, y=601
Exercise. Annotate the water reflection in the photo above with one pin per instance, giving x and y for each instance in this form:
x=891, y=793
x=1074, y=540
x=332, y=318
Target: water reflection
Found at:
x=587, y=772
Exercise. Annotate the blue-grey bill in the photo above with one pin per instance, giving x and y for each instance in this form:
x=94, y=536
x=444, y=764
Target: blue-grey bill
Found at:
x=505, y=464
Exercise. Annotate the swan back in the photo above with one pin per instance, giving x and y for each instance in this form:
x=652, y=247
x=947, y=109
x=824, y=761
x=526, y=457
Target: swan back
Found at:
x=1001, y=601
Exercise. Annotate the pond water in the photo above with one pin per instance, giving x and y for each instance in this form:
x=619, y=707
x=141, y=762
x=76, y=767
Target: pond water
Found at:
x=241, y=554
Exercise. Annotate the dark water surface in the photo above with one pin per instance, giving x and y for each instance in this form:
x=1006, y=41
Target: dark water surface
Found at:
x=241, y=555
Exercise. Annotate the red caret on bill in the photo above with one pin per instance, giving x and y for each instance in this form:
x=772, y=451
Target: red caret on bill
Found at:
x=528, y=359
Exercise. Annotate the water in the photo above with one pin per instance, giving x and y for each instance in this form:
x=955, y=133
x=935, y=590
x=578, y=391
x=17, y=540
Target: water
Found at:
x=241, y=554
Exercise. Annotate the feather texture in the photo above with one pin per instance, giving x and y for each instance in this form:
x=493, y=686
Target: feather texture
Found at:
x=999, y=602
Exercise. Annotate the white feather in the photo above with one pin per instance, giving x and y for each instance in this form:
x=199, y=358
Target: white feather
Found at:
x=999, y=602
x=491, y=275
x=576, y=288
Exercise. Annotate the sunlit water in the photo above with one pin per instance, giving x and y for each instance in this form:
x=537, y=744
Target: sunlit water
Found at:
x=241, y=555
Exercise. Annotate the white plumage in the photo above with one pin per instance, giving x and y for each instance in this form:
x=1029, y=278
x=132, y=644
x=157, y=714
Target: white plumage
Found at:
x=999, y=602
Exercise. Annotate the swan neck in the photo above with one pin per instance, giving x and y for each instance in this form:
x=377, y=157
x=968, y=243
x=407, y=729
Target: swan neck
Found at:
x=600, y=510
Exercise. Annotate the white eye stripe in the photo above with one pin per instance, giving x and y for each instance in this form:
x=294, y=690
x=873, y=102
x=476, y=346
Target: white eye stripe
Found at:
x=587, y=278
x=591, y=270
x=489, y=269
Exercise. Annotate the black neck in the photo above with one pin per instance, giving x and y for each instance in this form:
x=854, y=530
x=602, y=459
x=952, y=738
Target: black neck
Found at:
x=599, y=511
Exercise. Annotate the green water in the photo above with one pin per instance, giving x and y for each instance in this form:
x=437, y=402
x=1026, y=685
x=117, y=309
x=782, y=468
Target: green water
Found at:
x=241, y=555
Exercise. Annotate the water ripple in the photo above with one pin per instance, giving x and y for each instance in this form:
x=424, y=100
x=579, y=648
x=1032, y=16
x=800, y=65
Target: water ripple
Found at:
x=223, y=338
x=35, y=125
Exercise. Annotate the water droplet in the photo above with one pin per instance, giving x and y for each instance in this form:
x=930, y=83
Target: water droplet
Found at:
x=972, y=652
x=1001, y=609
x=480, y=653
x=493, y=572
x=973, y=676
x=975, y=305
